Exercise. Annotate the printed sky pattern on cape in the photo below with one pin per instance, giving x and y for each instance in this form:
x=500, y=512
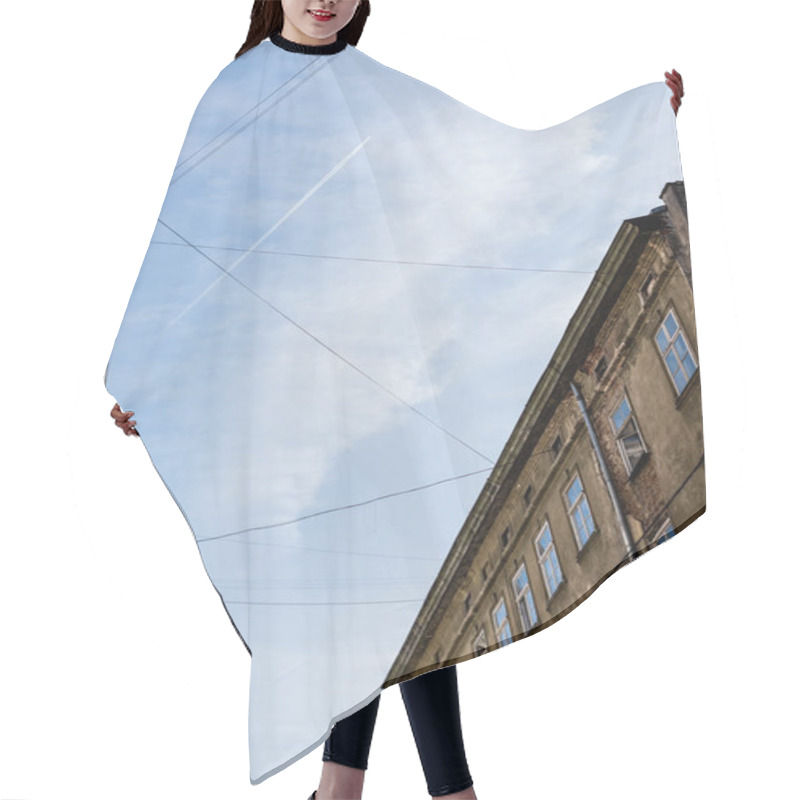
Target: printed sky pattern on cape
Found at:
x=400, y=269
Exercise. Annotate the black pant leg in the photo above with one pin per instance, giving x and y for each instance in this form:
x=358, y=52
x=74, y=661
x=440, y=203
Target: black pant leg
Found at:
x=433, y=710
x=350, y=739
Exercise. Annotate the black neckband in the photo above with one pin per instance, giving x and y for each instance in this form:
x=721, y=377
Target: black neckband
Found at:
x=309, y=49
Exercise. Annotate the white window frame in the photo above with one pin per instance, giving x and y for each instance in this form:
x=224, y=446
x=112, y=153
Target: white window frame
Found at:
x=480, y=644
x=579, y=507
x=673, y=344
x=502, y=631
x=665, y=532
x=548, y=561
x=523, y=596
x=619, y=432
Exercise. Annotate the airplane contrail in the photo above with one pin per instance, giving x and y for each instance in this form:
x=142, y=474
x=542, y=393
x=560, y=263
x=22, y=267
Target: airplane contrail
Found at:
x=304, y=199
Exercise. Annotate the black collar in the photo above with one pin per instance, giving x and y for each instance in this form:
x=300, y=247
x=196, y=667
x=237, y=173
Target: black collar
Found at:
x=309, y=49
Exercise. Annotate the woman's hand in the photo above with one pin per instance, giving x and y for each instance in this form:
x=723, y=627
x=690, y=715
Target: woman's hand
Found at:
x=675, y=82
x=123, y=419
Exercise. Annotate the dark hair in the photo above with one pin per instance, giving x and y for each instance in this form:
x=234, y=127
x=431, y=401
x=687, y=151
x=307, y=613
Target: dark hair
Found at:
x=266, y=18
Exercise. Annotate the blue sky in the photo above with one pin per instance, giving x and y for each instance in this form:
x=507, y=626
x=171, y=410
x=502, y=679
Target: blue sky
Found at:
x=465, y=191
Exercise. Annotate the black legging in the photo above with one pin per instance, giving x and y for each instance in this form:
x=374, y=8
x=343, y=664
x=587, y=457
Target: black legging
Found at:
x=432, y=706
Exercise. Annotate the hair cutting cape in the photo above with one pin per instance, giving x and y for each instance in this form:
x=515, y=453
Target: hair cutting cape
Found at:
x=419, y=381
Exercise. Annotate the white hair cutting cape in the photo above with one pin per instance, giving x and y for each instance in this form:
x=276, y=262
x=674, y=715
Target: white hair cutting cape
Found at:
x=350, y=320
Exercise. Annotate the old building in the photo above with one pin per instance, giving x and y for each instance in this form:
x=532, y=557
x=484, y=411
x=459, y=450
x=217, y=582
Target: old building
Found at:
x=605, y=462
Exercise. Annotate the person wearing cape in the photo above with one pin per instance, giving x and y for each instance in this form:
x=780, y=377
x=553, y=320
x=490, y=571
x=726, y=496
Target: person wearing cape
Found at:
x=366, y=311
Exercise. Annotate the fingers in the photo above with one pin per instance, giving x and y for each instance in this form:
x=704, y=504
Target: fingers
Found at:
x=675, y=82
x=129, y=427
x=122, y=419
x=676, y=87
x=119, y=414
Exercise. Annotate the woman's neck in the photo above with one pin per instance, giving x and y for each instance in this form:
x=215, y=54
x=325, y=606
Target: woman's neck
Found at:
x=292, y=46
x=293, y=34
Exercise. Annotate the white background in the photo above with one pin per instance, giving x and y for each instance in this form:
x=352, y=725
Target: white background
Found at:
x=120, y=674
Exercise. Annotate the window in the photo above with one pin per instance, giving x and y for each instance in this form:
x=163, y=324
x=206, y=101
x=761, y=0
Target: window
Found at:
x=467, y=603
x=646, y=287
x=666, y=532
x=524, y=598
x=579, y=513
x=505, y=537
x=600, y=369
x=502, y=626
x=548, y=560
x=485, y=572
x=629, y=438
x=479, y=645
x=556, y=447
x=528, y=495
x=680, y=363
